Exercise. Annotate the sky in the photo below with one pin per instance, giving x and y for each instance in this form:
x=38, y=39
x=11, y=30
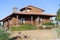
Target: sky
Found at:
x=6, y=6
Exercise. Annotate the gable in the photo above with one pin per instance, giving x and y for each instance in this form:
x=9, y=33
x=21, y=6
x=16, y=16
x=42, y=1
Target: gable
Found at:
x=31, y=9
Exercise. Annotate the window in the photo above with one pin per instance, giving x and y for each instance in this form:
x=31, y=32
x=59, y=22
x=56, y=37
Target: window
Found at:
x=28, y=10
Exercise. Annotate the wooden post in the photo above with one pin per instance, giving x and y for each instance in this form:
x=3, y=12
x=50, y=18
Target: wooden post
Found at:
x=2, y=24
x=8, y=22
x=51, y=19
x=17, y=20
x=38, y=19
x=31, y=19
x=37, y=22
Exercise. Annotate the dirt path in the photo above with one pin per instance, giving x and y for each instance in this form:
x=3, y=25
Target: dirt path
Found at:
x=38, y=34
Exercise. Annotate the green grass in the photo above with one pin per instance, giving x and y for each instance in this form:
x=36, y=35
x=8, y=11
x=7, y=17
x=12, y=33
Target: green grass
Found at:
x=22, y=27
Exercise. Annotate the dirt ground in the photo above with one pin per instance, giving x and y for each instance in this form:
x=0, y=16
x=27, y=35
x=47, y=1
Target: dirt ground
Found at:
x=35, y=35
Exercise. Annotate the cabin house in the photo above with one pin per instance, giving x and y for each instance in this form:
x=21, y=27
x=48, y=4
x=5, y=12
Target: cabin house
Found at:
x=27, y=15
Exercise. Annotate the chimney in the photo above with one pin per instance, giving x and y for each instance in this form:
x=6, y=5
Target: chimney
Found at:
x=15, y=9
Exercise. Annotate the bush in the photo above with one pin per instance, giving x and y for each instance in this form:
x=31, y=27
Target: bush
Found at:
x=3, y=35
x=48, y=23
x=22, y=27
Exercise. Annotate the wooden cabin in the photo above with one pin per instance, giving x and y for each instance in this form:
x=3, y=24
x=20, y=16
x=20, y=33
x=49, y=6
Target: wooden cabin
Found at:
x=27, y=15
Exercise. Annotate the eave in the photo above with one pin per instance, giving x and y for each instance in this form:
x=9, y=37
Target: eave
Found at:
x=21, y=13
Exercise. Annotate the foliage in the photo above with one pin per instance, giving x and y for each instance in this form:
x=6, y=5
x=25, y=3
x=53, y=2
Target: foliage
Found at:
x=58, y=15
x=3, y=35
x=48, y=23
x=22, y=27
x=58, y=21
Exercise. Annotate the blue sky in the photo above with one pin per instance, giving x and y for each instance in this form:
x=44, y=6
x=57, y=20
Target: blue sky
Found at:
x=50, y=6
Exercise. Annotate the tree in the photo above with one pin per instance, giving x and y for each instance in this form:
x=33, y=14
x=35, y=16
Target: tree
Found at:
x=58, y=16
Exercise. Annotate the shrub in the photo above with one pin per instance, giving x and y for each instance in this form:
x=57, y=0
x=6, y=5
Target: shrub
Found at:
x=48, y=23
x=22, y=27
x=3, y=35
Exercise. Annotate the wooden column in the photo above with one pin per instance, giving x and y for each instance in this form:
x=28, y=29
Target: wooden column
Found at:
x=31, y=19
x=37, y=23
x=17, y=20
x=3, y=24
x=8, y=22
x=50, y=19
x=38, y=19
